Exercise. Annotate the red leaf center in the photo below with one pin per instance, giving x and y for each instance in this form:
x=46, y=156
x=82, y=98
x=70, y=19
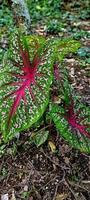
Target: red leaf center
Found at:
x=73, y=119
x=25, y=79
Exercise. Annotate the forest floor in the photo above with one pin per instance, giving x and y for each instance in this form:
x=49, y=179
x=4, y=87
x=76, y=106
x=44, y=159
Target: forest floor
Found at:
x=31, y=173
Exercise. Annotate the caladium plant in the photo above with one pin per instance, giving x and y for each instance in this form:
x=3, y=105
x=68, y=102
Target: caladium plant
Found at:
x=25, y=82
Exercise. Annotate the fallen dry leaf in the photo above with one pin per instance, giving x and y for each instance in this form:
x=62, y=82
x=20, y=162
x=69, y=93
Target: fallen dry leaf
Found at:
x=52, y=146
x=62, y=196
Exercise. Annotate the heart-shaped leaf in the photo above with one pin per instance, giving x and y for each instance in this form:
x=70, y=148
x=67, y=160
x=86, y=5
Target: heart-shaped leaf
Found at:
x=69, y=127
x=24, y=84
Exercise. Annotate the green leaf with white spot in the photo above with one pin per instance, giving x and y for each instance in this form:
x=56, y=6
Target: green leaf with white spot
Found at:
x=24, y=100
x=75, y=139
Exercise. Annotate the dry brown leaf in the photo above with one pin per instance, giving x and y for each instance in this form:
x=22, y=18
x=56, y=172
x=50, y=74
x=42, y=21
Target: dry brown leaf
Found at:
x=52, y=146
x=62, y=196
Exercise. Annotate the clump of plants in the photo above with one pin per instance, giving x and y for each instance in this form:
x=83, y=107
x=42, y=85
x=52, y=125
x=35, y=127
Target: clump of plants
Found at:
x=41, y=10
x=54, y=27
x=31, y=68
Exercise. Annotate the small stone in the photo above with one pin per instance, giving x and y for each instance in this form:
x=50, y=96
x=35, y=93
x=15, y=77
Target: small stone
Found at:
x=4, y=197
x=26, y=188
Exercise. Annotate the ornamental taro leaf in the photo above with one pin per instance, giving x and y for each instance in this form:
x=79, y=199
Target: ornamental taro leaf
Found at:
x=72, y=117
x=72, y=122
x=24, y=84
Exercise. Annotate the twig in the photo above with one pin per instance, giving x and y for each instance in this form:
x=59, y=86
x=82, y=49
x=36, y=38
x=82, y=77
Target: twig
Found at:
x=71, y=190
x=86, y=181
x=50, y=125
x=76, y=185
x=55, y=163
x=56, y=191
